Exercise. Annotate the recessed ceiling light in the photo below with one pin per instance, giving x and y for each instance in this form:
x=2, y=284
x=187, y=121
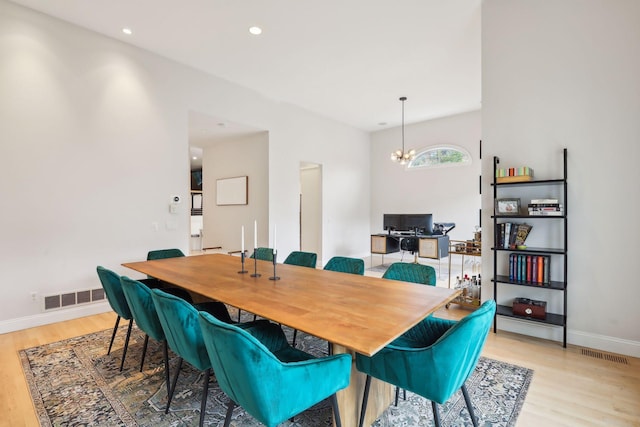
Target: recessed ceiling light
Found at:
x=255, y=30
x=127, y=31
x=195, y=157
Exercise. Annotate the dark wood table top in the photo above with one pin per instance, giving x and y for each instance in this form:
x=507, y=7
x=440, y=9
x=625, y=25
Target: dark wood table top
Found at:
x=360, y=313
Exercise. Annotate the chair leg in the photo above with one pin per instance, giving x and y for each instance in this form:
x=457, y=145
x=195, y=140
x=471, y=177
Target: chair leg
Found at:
x=144, y=350
x=113, y=336
x=230, y=407
x=205, y=390
x=173, y=385
x=363, y=410
x=239, y=310
x=469, y=406
x=165, y=351
x=336, y=410
x=397, y=395
x=436, y=414
x=293, y=342
x=126, y=343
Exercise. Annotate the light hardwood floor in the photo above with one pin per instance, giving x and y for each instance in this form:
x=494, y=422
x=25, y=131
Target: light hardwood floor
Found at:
x=568, y=388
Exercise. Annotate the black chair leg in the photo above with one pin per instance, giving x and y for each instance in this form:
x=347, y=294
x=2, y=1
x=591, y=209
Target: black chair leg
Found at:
x=397, y=395
x=239, y=310
x=126, y=343
x=144, y=350
x=205, y=391
x=165, y=351
x=336, y=410
x=363, y=410
x=230, y=407
x=113, y=336
x=436, y=414
x=469, y=406
x=293, y=342
x=173, y=385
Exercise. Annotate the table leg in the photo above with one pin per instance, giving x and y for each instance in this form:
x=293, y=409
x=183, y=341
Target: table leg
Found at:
x=381, y=395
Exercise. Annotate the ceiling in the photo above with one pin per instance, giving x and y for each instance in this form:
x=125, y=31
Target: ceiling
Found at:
x=346, y=60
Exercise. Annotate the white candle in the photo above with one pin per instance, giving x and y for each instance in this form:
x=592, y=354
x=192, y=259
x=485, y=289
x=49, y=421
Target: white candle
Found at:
x=242, y=239
x=275, y=250
x=255, y=234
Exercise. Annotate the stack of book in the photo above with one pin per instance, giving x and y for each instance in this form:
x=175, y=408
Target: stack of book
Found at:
x=523, y=173
x=529, y=268
x=542, y=207
x=510, y=235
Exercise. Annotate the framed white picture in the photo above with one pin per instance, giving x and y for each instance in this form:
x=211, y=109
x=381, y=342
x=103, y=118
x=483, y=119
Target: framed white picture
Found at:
x=232, y=191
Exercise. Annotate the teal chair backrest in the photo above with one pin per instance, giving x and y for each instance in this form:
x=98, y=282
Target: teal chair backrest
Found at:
x=410, y=272
x=270, y=389
x=265, y=254
x=113, y=289
x=181, y=328
x=142, y=307
x=435, y=357
x=304, y=259
x=345, y=265
x=164, y=253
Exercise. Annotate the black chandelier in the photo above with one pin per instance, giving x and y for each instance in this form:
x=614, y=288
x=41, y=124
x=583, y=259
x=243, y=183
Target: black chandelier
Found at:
x=402, y=156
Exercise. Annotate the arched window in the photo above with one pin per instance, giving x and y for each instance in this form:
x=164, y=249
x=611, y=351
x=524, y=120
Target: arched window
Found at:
x=439, y=156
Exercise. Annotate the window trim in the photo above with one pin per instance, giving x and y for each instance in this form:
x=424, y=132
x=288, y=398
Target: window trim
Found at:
x=464, y=151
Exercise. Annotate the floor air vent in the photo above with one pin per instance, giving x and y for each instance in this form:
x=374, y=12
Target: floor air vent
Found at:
x=68, y=299
x=605, y=356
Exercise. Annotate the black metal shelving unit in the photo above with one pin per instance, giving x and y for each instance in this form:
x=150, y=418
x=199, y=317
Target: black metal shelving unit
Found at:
x=558, y=286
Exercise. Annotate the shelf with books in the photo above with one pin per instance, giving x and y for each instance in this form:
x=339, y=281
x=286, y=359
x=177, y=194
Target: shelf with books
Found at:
x=541, y=270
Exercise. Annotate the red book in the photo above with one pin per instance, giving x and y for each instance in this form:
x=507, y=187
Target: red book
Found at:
x=540, y=269
x=528, y=268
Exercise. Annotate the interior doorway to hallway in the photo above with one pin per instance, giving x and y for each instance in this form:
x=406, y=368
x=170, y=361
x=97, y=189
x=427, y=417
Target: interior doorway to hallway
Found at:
x=311, y=208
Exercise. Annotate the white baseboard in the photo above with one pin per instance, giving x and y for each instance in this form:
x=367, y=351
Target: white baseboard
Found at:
x=55, y=316
x=578, y=338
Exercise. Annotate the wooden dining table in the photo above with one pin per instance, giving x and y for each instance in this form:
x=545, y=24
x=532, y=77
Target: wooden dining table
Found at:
x=354, y=313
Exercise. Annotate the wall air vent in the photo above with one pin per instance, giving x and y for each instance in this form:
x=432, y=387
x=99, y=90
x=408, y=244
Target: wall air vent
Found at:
x=70, y=299
x=605, y=356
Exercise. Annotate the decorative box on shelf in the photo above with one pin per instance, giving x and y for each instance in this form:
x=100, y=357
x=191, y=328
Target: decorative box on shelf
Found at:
x=521, y=174
x=530, y=308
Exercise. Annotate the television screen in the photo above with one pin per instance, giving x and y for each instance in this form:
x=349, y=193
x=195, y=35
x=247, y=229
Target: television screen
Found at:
x=196, y=180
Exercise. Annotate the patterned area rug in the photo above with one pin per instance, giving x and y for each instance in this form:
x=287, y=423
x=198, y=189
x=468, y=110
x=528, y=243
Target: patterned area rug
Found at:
x=74, y=383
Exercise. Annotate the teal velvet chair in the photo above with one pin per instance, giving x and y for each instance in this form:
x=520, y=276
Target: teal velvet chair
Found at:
x=181, y=327
x=140, y=300
x=152, y=282
x=345, y=265
x=262, y=373
x=411, y=272
x=433, y=359
x=118, y=302
x=264, y=254
x=303, y=259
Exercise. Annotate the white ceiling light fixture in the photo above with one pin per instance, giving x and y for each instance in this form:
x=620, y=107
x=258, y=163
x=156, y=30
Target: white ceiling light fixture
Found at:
x=402, y=156
x=127, y=31
x=256, y=31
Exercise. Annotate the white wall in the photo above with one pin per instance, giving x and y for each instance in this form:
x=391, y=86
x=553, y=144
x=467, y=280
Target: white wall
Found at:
x=94, y=144
x=247, y=156
x=565, y=74
x=449, y=193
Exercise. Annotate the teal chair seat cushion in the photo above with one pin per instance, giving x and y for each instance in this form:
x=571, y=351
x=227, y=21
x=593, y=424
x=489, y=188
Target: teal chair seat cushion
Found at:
x=435, y=357
x=272, y=381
